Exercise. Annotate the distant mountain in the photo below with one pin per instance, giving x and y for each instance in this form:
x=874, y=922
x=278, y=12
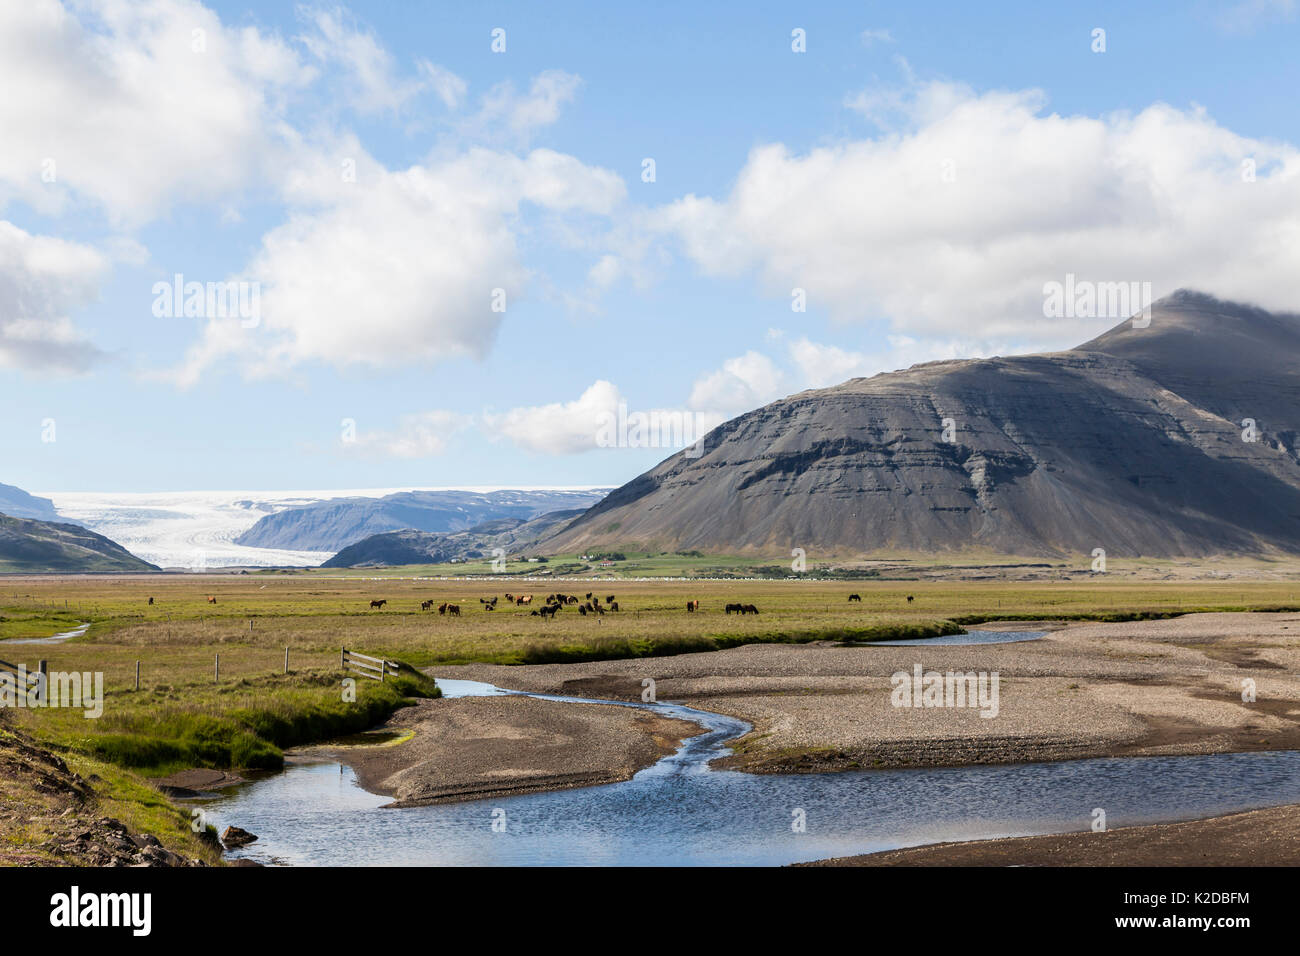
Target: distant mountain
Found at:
x=334, y=524
x=38, y=546
x=1137, y=442
x=392, y=548
x=19, y=504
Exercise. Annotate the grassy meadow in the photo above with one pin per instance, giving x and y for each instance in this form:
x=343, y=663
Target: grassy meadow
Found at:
x=184, y=716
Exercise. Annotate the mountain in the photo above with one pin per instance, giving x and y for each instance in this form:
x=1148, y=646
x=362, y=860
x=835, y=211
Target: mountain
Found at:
x=19, y=504
x=1133, y=442
x=333, y=525
x=515, y=537
x=37, y=546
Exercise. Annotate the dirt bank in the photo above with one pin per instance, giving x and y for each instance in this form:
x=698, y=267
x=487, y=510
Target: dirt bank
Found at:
x=474, y=747
x=1258, y=838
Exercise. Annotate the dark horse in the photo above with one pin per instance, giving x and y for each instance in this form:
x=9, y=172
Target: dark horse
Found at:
x=855, y=597
x=377, y=604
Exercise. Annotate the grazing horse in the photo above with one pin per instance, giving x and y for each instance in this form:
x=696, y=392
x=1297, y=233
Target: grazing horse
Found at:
x=749, y=609
x=582, y=609
x=377, y=604
x=613, y=605
x=909, y=599
x=692, y=606
x=523, y=599
x=453, y=610
x=442, y=608
x=151, y=602
x=212, y=600
x=855, y=597
x=738, y=608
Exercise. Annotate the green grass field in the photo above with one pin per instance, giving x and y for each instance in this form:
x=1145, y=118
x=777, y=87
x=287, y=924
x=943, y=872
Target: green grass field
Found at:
x=182, y=716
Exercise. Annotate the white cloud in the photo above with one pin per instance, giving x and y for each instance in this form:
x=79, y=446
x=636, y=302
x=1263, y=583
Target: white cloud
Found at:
x=560, y=428
x=523, y=113
x=134, y=106
x=369, y=74
x=420, y=435
x=42, y=280
x=823, y=365
x=744, y=382
x=870, y=37
x=401, y=267
x=871, y=229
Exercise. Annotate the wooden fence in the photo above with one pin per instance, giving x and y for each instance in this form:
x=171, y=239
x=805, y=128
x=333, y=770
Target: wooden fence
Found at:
x=30, y=678
x=376, y=668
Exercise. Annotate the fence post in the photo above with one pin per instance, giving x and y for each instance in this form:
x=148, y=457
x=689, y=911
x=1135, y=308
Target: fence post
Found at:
x=286, y=660
x=343, y=659
x=216, y=670
x=137, y=675
x=383, y=669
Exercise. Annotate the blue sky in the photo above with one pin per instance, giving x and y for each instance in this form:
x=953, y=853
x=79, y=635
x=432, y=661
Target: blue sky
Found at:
x=920, y=172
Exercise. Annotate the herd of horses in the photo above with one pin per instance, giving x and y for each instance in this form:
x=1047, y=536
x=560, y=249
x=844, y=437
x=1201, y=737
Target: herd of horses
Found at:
x=554, y=602
x=589, y=604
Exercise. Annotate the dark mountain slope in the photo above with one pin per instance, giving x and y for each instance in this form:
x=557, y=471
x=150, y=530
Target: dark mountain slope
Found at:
x=38, y=546
x=1131, y=443
x=333, y=525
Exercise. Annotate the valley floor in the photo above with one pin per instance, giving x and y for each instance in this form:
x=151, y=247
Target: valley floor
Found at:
x=1083, y=690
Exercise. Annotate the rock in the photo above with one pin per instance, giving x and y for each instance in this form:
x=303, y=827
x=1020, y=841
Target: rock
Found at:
x=235, y=837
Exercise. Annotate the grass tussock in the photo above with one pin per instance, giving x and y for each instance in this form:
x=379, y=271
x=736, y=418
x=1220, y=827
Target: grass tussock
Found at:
x=245, y=725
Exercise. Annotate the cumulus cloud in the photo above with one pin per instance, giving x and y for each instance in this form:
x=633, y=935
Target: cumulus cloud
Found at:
x=134, y=106
x=504, y=108
x=560, y=428
x=370, y=77
x=744, y=382
x=411, y=266
x=822, y=365
x=599, y=418
x=420, y=435
x=42, y=280
x=953, y=223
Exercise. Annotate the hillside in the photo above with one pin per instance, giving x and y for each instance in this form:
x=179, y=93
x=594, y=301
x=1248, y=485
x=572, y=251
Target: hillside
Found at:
x=1131, y=442
x=333, y=525
x=38, y=546
x=516, y=538
x=20, y=504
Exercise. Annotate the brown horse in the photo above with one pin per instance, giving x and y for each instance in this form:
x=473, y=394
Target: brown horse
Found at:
x=377, y=604
x=425, y=605
x=692, y=606
x=212, y=600
x=453, y=610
